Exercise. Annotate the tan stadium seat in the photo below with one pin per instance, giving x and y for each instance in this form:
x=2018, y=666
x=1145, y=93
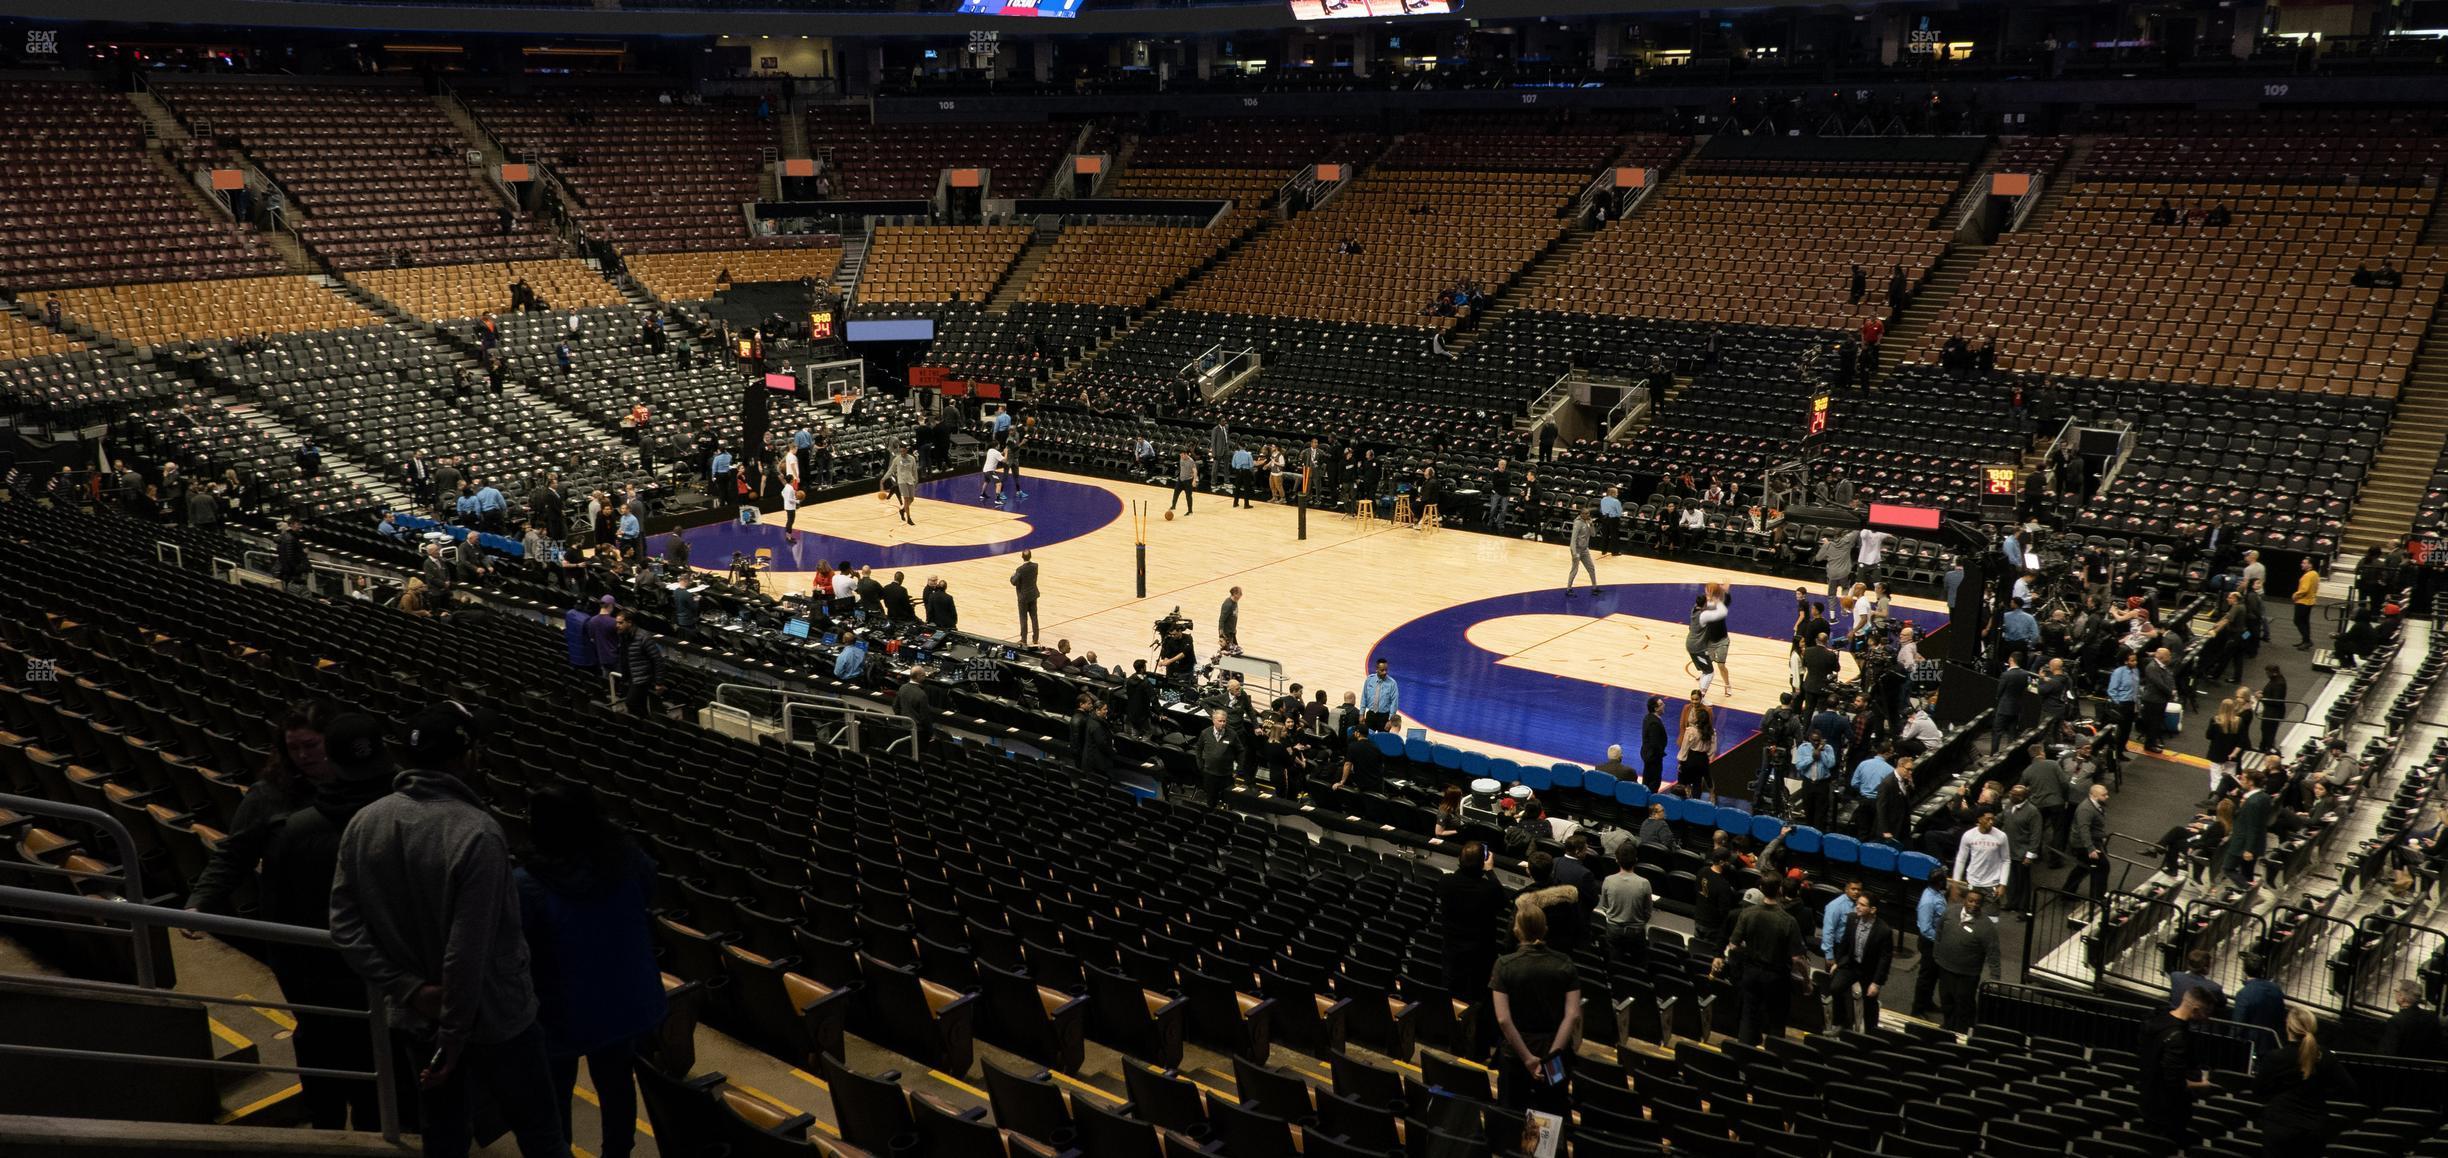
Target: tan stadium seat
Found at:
x=169, y=313
x=689, y=277
x=20, y=338
x=1766, y=250
x=444, y=292
x=2094, y=290
x=1483, y=227
x=936, y=263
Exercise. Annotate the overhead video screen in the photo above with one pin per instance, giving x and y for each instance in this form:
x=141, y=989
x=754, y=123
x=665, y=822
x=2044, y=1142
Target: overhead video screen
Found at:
x=1355, y=9
x=1064, y=8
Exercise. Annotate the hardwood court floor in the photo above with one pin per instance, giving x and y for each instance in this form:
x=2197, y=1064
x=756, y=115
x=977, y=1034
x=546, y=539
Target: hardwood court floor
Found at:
x=1487, y=650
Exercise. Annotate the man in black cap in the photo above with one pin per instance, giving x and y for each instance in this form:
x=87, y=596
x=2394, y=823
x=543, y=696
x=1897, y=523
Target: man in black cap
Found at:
x=298, y=865
x=423, y=907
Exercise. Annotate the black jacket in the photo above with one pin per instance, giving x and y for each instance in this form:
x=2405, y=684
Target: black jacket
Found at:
x=1653, y=738
x=1872, y=962
x=897, y=601
x=1893, y=808
x=939, y=608
x=641, y=659
x=1467, y=907
x=2412, y=1033
x=1093, y=744
x=290, y=556
x=1219, y=755
x=2296, y=1106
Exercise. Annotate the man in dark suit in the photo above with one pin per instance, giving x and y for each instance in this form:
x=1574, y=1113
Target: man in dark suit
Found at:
x=2024, y=827
x=1653, y=744
x=2088, y=838
x=548, y=510
x=2014, y=691
x=940, y=610
x=2051, y=791
x=1218, y=752
x=1864, y=948
x=2412, y=1031
x=1892, y=809
x=420, y=478
x=1967, y=950
x=2242, y=855
x=1091, y=741
x=1818, y=672
x=1024, y=584
x=445, y=484
x=2151, y=701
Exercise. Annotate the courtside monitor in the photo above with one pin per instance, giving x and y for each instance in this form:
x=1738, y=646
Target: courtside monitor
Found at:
x=796, y=629
x=786, y=383
x=1354, y=9
x=897, y=330
x=1890, y=517
x=1061, y=8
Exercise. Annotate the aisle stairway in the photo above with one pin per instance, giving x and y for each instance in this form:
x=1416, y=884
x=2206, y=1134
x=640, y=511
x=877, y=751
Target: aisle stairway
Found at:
x=1023, y=271
x=2384, y=510
x=1526, y=289
x=1904, y=331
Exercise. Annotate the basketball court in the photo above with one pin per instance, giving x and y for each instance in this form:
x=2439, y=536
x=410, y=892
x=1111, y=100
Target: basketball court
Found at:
x=1488, y=650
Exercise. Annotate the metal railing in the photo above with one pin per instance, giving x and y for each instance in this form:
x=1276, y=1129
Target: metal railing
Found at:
x=2029, y=201
x=136, y=921
x=2301, y=940
x=2108, y=1023
x=1555, y=395
x=2389, y=950
x=835, y=721
x=2210, y=925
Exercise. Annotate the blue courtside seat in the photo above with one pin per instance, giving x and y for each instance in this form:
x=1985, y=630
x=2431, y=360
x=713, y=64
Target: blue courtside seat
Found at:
x=1732, y=821
x=1804, y=840
x=1600, y=785
x=1388, y=744
x=1564, y=775
x=1877, y=857
x=1674, y=806
x=1632, y=794
x=1539, y=779
x=1474, y=765
x=1766, y=828
x=1916, y=866
x=1446, y=756
x=1419, y=751
x=1503, y=771
x=1840, y=849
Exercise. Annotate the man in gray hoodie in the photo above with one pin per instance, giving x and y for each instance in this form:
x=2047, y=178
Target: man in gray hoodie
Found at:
x=424, y=909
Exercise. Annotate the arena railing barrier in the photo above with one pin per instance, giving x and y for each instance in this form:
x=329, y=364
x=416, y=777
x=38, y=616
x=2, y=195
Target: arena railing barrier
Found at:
x=2107, y=1023
x=135, y=921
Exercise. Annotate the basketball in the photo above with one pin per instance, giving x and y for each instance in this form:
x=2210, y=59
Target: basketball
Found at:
x=1168, y=516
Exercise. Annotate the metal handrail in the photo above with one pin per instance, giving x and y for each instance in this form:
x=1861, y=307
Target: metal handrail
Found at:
x=2029, y=201
x=143, y=918
x=849, y=712
x=131, y=865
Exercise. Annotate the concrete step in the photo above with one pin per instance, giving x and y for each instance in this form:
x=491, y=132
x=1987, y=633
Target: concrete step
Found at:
x=1023, y=271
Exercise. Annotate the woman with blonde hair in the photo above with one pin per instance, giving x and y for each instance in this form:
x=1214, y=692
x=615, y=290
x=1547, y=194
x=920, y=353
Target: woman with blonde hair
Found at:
x=2225, y=737
x=2296, y=1083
